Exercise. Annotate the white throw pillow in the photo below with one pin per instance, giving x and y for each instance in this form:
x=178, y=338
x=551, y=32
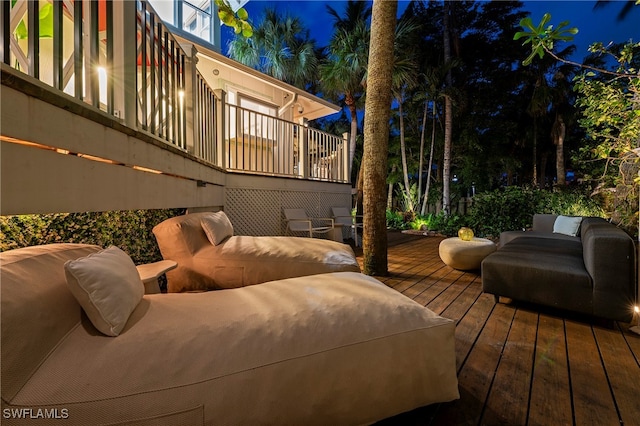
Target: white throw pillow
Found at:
x=107, y=286
x=567, y=225
x=217, y=226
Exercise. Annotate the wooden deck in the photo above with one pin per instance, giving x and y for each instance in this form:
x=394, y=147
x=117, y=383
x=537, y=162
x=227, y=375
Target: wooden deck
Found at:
x=518, y=364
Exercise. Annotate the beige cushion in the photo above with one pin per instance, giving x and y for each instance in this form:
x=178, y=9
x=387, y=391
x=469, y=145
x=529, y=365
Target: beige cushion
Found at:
x=324, y=349
x=107, y=286
x=217, y=227
x=242, y=260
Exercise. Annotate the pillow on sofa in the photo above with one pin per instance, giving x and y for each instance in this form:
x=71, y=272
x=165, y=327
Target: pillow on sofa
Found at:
x=567, y=225
x=217, y=226
x=107, y=286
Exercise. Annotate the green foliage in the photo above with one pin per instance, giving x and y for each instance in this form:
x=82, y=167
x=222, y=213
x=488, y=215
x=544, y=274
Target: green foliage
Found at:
x=542, y=37
x=513, y=208
x=396, y=220
x=447, y=224
x=501, y=210
x=129, y=230
x=238, y=20
x=410, y=199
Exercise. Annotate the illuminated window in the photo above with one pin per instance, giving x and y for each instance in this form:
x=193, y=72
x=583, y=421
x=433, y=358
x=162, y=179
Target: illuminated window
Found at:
x=191, y=16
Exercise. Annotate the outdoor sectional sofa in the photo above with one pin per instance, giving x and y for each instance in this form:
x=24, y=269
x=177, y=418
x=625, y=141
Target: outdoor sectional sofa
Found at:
x=210, y=257
x=591, y=272
x=338, y=348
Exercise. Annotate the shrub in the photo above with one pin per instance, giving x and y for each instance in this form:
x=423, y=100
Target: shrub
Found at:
x=396, y=220
x=447, y=225
x=130, y=230
x=512, y=208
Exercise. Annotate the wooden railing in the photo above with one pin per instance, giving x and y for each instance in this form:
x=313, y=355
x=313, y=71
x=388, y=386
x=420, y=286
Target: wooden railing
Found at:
x=84, y=48
x=260, y=143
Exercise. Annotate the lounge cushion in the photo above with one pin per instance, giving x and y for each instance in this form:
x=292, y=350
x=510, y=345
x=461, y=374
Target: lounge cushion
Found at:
x=243, y=260
x=324, y=349
x=107, y=286
x=36, y=303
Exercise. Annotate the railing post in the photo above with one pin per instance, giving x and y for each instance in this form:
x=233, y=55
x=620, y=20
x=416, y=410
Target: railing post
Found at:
x=303, y=148
x=221, y=124
x=125, y=62
x=5, y=37
x=345, y=157
x=33, y=53
x=191, y=104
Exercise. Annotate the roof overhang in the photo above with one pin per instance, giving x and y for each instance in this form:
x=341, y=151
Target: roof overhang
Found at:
x=313, y=107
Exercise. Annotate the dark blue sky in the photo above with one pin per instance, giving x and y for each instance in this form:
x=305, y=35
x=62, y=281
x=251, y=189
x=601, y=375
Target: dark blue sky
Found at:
x=593, y=25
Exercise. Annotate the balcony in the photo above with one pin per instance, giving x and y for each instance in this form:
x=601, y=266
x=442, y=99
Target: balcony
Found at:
x=157, y=86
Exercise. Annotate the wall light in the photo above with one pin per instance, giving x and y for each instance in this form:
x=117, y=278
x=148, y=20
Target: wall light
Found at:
x=102, y=82
x=636, y=320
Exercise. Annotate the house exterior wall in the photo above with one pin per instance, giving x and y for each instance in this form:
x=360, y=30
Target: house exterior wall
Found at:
x=59, y=155
x=254, y=203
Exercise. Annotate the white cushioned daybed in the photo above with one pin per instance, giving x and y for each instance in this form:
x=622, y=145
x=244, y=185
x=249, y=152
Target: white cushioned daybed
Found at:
x=210, y=257
x=338, y=348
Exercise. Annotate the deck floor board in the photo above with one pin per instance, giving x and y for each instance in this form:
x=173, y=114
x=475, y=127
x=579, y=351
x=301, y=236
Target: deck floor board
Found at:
x=518, y=364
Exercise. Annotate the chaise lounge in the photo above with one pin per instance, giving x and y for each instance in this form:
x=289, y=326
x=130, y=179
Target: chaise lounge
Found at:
x=339, y=348
x=210, y=257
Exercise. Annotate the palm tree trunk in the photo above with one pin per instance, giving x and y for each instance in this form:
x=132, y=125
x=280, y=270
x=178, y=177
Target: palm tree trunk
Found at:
x=354, y=131
x=390, y=191
x=448, y=119
x=403, y=154
x=376, y=136
x=534, y=179
x=433, y=141
x=558, y=138
x=424, y=125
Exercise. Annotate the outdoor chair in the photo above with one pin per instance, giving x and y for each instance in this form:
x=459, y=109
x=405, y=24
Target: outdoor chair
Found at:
x=298, y=221
x=342, y=216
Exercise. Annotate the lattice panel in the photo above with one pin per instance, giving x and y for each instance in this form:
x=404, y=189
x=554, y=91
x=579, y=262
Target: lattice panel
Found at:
x=332, y=199
x=259, y=211
x=254, y=211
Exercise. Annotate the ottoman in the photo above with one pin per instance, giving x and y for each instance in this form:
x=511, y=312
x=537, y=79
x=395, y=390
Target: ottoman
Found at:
x=465, y=255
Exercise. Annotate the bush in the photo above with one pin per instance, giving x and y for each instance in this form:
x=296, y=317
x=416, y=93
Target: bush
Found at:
x=130, y=230
x=396, y=220
x=512, y=208
x=447, y=225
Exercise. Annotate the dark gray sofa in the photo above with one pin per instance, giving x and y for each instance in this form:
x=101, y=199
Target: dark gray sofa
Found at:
x=592, y=273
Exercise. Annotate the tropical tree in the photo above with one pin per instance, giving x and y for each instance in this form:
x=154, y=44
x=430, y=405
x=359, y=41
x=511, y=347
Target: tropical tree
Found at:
x=610, y=104
x=627, y=7
x=376, y=135
x=432, y=91
x=404, y=78
x=448, y=114
x=280, y=47
x=344, y=69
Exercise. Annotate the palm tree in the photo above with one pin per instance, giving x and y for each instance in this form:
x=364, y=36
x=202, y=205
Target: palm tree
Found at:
x=280, y=47
x=343, y=72
x=542, y=96
x=624, y=12
x=376, y=135
x=404, y=78
x=448, y=114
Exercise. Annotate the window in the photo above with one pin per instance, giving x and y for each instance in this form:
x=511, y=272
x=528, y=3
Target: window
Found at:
x=194, y=17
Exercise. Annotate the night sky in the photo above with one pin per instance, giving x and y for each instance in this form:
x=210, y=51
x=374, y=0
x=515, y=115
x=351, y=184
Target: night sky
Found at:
x=593, y=25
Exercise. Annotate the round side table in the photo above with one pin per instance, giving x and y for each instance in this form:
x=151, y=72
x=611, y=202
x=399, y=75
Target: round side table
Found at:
x=465, y=255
